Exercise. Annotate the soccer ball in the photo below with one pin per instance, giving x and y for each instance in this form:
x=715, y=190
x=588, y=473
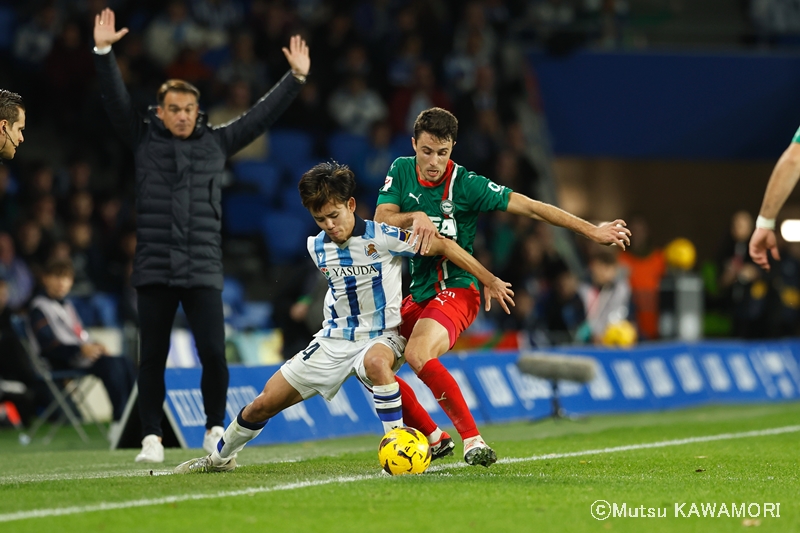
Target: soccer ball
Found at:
x=404, y=451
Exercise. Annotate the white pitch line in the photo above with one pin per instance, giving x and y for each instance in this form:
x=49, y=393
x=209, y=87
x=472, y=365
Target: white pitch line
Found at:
x=109, y=506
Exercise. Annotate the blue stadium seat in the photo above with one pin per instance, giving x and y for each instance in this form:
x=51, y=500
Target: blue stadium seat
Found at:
x=8, y=19
x=266, y=176
x=299, y=167
x=347, y=148
x=232, y=296
x=242, y=213
x=287, y=146
x=290, y=202
x=401, y=146
x=285, y=235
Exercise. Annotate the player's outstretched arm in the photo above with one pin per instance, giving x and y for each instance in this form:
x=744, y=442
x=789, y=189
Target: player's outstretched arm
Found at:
x=781, y=183
x=423, y=232
x=610, y=233
x=493, y=287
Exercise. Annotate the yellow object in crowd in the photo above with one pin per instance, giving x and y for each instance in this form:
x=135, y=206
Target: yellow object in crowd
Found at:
x=681, y=254
x=621, y=333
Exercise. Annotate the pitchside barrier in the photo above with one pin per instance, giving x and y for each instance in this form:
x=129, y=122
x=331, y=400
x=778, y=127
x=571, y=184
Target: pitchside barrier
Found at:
x=646, y=378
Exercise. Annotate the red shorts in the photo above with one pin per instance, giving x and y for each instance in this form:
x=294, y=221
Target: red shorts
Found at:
x=455, y=309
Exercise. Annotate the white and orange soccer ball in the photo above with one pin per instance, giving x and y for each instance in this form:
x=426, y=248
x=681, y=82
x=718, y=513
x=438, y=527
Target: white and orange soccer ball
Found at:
x=404, y=451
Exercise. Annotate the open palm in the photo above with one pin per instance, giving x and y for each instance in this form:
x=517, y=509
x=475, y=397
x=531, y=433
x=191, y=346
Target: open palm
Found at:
x=297, y=55
x=104, y=32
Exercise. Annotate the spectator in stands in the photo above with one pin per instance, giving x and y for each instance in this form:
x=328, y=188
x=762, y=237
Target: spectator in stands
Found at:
x=461, y=67
x=68, y=71
x=371, y=170
x=81, y=206
x=408, y=102
x=646, y=266
x=401, y=69
x=16, y=274
x=221, y=16
x=171, y=32
x=32, y=249
x=8, y=202
x=15, y=365
x=35, y=39
x=355, y=106
x=238, y=102
x=742, y=286
x=62, y=341
x=244, y=65
x=44, y=213
x=179, y=162
x=562, y=311
x=474, y=23
x=606, y=297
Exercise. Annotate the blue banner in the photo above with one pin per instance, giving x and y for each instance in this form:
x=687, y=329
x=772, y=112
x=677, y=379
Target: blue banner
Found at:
x=648, y=377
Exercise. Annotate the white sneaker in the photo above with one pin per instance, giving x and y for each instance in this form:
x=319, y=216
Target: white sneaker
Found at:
x=212, y=438
x=152, y=450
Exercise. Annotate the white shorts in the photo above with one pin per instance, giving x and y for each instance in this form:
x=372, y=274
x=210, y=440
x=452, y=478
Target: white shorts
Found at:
x=327, y=362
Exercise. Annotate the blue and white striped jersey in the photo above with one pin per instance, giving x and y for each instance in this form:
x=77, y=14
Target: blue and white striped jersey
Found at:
x=364, y=279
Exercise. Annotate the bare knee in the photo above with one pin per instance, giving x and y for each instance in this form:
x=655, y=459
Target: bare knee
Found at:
x=378, y=369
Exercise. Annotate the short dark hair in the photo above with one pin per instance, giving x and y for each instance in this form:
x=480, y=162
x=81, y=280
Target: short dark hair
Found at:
x=178, y=86
x=59, y=268
x=440, y=123
x=10, y=104
x=326, y=182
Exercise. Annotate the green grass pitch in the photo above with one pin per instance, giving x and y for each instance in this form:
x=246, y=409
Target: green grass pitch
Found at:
x=548, y=478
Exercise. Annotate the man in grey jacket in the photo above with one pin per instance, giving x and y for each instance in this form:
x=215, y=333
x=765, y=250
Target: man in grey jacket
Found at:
x=179, y=162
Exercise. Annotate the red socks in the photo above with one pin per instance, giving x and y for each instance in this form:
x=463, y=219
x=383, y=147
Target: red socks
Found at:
x=414, y=415
x=445, y=389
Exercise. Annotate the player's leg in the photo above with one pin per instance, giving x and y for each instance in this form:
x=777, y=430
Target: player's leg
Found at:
x=379, y=364
x=436, y=331
x=278, y=394
x=203, y=307
x=414, y=415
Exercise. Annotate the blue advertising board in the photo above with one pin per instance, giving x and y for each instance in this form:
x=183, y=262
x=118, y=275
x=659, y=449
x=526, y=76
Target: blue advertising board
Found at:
x=648, y=377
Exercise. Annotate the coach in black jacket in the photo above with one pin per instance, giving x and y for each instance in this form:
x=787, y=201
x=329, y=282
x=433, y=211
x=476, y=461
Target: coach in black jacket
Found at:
x=179, y=164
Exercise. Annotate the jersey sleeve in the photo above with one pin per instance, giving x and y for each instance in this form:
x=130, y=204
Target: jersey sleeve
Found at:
x=486, y=195
x=397, y=241
x=796, y=138
x=390, y=193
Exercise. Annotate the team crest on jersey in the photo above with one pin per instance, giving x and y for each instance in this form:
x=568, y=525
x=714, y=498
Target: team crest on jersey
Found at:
x=370, y=251
x=447, y=207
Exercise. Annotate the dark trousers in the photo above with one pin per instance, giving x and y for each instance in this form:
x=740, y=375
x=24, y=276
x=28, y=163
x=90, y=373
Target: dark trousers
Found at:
x=157, y=305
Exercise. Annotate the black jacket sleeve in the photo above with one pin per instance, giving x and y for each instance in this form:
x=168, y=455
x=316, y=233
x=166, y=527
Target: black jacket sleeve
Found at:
x=128, y=123
x=240, y=132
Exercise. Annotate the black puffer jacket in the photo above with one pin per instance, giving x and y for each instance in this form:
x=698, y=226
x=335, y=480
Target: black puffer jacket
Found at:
x=178, y=195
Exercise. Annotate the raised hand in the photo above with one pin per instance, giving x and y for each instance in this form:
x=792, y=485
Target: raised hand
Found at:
x=105, y=33
x=500, y=291
x=297, y=56
x=613, y=233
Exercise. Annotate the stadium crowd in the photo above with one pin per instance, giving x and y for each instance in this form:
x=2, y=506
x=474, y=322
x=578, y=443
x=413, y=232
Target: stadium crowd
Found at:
x=376, y=65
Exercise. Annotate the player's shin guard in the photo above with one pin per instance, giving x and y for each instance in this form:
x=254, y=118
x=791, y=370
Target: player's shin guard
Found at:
x=238, y=433
x=446, y=391
x=414, y=415
x=388, y=405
